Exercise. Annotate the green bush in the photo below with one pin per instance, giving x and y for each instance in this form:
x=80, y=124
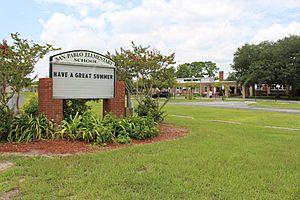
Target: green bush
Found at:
x=32, y=107
x=28, y=128
x=87, y=128
x=5, y=122
x=142, y=127
x=118, y=127
x=90, y=128
x=73, y=106
x=150, y=107
x=135, y=127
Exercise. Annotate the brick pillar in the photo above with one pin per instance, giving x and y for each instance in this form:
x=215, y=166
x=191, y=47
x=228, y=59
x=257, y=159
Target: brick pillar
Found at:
x=221, y=75
x=51, y=108
x=116, y=106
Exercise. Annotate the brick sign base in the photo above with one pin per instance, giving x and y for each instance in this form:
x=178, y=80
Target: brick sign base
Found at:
x=116, y=106
x=53, y=108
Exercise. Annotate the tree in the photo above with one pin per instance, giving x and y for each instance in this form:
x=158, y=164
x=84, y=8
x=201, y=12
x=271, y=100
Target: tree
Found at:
x=165, y=78
x=222, y=87
x=288, y=62
x=16, y=64
x=231, y=77
x=6, y=74
x=269, y=62
x=243, y=59
x=184, y=71
x=141, y=68
x=197, y=69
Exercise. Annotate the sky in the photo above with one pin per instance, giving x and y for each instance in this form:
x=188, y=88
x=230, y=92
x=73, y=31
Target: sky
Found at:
x=195, y=30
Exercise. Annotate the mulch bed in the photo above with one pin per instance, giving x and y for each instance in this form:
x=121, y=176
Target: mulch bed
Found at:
x=63, y=147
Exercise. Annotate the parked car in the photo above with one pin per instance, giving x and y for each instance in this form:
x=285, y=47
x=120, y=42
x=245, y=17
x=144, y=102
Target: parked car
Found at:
x=164, y=94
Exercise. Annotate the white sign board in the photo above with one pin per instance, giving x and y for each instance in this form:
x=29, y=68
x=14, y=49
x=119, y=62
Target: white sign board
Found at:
x=82, y=75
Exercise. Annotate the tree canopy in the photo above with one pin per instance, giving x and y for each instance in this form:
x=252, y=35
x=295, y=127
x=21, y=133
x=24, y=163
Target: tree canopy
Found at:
x=17, y=62
x=142, y=68
x=197, y=69
x=269, y=62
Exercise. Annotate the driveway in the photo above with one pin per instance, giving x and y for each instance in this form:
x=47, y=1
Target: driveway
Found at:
x=235, y=105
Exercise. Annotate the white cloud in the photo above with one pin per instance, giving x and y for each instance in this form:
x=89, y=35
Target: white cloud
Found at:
x=193, y=29
x=69, y=32
x=280, y=3
x=277, y=31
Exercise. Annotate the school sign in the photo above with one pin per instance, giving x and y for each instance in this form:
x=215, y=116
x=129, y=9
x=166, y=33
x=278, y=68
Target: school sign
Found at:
x=82, y=74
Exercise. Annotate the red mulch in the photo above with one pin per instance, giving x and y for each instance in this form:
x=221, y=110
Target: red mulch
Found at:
x=167, y=132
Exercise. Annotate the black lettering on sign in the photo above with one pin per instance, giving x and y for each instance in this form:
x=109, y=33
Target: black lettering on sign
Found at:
x=60, y=74
x=83, y=75
x=59, y=58
x=85, y=60
x=102, y=76
x=64, y=74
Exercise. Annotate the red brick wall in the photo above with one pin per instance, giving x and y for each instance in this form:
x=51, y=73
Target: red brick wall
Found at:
x=116, y=106
x=221, y=75
x=52, y=108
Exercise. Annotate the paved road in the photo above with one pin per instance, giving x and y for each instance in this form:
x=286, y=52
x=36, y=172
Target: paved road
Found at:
x=235, y=105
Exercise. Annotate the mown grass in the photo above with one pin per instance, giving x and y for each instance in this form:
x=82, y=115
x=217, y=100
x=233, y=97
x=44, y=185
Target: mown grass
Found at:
x=96, y=107
x=276, y=104
x=215, y=161
x=28, y=96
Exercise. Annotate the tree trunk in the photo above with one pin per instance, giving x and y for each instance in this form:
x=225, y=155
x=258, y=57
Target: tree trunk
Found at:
x=129, y=105
x=17, y=110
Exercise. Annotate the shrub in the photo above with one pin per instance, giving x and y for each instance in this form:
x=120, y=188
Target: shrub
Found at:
x=5, y=122
x=28, y=127
x=142, y=127
x=32, y=107
x=150, y=107
x=73, y=106
x=118, y=127
x=87, y=128
x=91, y=128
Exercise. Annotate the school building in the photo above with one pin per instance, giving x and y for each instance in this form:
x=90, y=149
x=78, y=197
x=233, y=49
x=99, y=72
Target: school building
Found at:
x=206, y=86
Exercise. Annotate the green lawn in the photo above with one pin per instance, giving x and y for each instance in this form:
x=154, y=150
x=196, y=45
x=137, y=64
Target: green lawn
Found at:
x=215, y=161
x=278, y=104
x=96, y=107
x=28, y=96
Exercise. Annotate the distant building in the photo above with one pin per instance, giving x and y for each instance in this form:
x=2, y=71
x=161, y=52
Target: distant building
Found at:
x=203, y=86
